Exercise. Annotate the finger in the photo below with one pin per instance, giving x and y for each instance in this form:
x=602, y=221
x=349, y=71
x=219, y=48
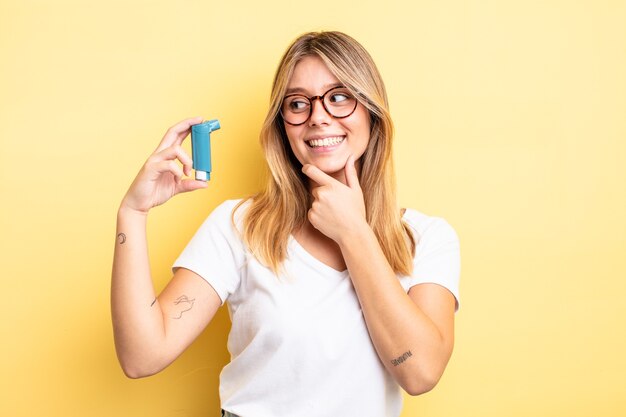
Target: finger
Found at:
x=352, y=177
x=317, y=175
x=169, y=166
x=178, y=132
x=176, y=151
x=190, y=185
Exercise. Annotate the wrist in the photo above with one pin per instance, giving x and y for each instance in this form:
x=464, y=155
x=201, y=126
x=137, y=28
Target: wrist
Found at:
x=356, y=234
x=124, y=211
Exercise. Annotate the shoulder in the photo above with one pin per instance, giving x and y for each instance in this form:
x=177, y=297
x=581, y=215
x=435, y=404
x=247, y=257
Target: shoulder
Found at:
x=227, y=207
x=230, y=210
x=437, y=257
x=428, y=229
x=226, y=218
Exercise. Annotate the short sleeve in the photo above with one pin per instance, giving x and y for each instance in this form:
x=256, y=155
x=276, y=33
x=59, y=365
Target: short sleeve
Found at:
x=216, y=252
x=437, y=255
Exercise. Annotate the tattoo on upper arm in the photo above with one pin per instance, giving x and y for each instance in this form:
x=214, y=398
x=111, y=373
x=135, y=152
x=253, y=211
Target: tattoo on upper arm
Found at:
x=153, y=302
x=121, y=238
x=184, y=304
x=400, y=359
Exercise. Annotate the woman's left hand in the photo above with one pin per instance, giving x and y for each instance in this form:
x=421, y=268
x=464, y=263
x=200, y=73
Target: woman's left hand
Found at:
x=338, y=209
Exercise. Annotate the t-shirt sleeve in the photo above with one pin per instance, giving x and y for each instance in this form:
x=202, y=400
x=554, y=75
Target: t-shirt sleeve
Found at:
x=215, y=252
x=437, y=258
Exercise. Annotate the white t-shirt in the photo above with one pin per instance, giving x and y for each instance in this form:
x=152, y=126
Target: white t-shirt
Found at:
x=299, y=345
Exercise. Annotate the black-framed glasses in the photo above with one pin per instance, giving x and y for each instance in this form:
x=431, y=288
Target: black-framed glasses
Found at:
x=339, y=102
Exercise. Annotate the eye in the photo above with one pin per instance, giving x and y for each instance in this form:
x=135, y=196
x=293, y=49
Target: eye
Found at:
x=340, y=96
x=297, y=104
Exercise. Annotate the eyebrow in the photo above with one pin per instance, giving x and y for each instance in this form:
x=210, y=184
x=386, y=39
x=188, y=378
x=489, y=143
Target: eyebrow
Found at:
x=304, y=90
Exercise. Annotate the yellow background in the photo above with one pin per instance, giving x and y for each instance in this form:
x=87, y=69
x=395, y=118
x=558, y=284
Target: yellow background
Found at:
x=511, y=124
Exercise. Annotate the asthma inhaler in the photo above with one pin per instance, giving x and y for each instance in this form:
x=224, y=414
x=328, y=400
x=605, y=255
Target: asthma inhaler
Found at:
x=201, y=148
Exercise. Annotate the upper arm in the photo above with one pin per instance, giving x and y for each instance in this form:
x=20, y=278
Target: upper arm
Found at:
x=435, y=280
x=438, y=303
x=188, y=304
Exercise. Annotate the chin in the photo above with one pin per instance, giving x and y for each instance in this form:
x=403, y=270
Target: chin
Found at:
x=331, y=168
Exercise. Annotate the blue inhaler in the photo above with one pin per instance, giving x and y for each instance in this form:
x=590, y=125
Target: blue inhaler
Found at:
x=201, y=148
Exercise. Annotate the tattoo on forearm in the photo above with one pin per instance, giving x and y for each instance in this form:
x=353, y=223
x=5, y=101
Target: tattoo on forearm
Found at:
x=153, y=302
x=121, y=238
x=400, y=359
x=184, y=304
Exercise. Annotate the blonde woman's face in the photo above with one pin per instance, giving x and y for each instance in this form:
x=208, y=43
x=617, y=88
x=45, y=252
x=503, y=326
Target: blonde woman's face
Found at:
x=323, y=140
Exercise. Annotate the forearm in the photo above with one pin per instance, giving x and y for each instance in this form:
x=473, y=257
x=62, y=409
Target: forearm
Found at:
x=137, y=317
x=406, y=339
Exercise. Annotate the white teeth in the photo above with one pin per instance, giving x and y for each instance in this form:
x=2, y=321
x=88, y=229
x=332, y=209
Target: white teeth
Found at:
x=315, y=143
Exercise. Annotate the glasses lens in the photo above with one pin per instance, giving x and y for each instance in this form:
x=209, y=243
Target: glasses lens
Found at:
x=296, y=109
x=340, y=102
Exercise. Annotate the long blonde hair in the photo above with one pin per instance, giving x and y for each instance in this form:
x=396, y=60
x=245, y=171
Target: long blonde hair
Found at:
x=281, y=207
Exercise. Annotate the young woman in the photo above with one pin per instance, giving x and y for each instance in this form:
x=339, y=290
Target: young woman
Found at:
x=337, y=296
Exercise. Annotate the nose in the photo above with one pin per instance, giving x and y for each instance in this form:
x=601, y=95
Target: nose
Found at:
x=319, y=115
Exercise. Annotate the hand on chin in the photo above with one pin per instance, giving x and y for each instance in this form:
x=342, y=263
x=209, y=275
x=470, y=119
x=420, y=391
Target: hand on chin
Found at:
x=333, y=169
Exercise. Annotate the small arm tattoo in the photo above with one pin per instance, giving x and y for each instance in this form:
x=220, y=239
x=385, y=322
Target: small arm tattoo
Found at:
x=153, y=302
x=121, y=238
x=400, y=359
x=184, y=304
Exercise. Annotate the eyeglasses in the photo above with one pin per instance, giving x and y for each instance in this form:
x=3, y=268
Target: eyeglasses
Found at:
x=339, y=102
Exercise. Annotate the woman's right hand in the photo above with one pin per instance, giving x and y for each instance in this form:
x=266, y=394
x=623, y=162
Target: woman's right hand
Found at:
x=161, y=177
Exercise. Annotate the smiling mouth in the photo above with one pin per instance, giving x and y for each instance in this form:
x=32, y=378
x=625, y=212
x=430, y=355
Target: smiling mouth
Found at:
x=330, y=141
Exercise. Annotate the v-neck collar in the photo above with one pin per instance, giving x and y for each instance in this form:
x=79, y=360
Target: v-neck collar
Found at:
x=316, y=263
x=312, y=260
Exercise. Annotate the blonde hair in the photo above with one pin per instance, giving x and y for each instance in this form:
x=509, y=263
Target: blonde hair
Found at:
x=282, y=206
